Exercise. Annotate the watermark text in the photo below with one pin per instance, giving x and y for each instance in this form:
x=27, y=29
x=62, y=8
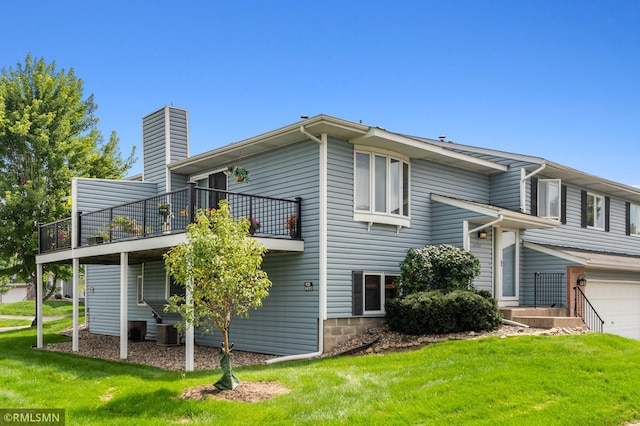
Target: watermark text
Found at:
x=32, y=416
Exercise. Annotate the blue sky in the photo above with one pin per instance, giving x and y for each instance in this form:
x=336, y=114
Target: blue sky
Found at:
x=556, y=79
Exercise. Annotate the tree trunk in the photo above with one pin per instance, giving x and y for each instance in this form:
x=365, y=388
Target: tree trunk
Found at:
x=228, y=381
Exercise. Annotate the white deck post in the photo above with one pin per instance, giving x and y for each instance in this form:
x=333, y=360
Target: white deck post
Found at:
x=124, y=272
x=76, y=303
x=39, y=290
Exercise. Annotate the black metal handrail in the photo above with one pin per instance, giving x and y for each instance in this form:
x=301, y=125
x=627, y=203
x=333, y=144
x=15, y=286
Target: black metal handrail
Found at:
x=584, y=309
x=171, y=213
x=547, y=289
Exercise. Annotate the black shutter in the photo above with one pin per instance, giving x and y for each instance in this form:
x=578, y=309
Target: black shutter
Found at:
x=627, y=218
x=534, y=196
x=607, y=209
x=563, y=204
x=356, y=293
x=583, y=209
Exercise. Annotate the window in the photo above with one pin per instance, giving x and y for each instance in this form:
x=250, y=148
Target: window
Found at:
x=595, y=211
x=210, y=199
x=634, y=220
x=381, y=188
x=549, y=198
x=140, y=290
x=370, y=290
x=173, y=288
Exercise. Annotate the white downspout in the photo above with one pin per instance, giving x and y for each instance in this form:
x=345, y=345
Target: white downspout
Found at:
x=467, y=242
x=524, y=178
x=322, y=304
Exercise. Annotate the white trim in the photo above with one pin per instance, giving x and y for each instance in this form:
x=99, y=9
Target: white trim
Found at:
x=387, y=217
x=499, y=265
x=382, y=151
x=167, y=148
x=523, y=186
x=383, y=299
x=382, y=218
x=74, y=212
x=76, y=304
x=546, y=207
x=554, y=253
x=140, y=289
x=196, y=178
x=595, y=210
x=322, y=273
x=39, y=303
x=424, y=148
x=124, y=273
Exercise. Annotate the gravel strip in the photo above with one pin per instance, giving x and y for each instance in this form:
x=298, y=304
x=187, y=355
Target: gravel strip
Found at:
x=375, y=340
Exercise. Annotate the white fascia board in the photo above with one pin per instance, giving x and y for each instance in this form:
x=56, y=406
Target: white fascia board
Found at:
x=465, y=205
x=522, y=220
x=275, y=138
x=426, y=147
x=555, y=253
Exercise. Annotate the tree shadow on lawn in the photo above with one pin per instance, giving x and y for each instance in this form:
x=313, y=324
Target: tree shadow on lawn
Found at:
x=19, y=346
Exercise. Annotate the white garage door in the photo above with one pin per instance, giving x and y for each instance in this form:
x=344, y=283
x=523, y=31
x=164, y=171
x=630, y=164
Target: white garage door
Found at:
x=618, y=304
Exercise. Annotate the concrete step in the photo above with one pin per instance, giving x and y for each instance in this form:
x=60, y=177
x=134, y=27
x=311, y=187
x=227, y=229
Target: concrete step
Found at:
x=548, y=321
x=511, y=313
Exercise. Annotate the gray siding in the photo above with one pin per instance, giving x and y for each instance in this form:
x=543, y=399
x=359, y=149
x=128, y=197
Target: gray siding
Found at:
x=165, y=129
x=533, y=261
x=178, y=181
x=178, y=134
x=154, y=139
x=573, y=235
x=97, y=194
x=505, y=187
x=483, y=250
x=287, y=323
x=448, y=229
x=103, y=299
x=352, y=247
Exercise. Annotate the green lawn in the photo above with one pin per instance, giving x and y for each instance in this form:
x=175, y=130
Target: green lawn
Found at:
x=590, y=379
x=28, y=308
x=13, y=322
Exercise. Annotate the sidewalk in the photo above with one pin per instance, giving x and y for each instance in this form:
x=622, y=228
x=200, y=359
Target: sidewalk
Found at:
x=30, y=318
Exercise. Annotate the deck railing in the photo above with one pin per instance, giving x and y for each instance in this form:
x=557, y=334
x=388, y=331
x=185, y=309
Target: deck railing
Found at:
x=171, y=213
x=548, y=289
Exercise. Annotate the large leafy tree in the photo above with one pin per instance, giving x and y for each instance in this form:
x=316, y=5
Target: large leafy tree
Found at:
x=220, y=266
x=48, y=134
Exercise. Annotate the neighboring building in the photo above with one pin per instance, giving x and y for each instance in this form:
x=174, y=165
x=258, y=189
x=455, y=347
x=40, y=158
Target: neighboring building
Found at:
x=360, y=196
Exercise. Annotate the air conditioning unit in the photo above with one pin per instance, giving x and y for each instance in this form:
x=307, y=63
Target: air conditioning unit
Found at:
x=166, y=335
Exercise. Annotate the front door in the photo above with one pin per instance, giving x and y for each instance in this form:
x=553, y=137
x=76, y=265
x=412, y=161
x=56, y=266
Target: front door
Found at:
x=507, y=267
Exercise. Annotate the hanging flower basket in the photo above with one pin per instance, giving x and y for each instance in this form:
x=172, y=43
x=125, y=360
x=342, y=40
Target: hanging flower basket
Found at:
x=240, y=174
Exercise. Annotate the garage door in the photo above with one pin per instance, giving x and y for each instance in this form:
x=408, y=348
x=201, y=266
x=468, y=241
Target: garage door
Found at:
x=618, y=304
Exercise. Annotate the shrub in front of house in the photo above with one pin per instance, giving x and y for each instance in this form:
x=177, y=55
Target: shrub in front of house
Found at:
x=440, y=267
x=438, y=312
x=437, y=294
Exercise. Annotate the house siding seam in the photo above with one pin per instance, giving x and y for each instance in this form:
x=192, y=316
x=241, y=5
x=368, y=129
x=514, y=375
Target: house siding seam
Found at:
x=287, y=322
x=571, y=233
x=154, y=148
x=97, y=194
x=350, y=243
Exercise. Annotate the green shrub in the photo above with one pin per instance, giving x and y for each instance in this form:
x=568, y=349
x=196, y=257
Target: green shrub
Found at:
x=437, y=312
x=442, y=267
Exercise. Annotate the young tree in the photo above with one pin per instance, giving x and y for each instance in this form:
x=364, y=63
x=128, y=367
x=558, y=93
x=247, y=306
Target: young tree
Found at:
x=48, y=135
x=220, y=266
